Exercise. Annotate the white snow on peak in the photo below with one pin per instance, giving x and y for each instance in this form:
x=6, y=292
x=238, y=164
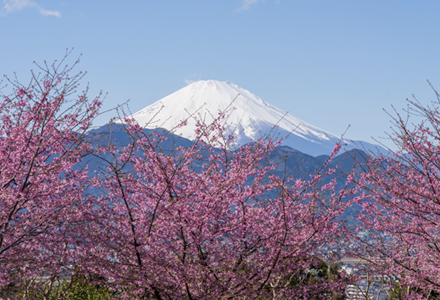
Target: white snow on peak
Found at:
x=251, y=117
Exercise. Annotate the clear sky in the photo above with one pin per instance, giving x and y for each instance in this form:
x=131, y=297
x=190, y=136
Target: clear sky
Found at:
x=330, y=63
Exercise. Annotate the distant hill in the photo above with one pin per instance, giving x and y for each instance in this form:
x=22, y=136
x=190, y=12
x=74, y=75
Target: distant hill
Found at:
x=290, y=162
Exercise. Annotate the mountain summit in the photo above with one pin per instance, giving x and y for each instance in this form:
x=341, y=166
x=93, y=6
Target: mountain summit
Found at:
x=250, y=118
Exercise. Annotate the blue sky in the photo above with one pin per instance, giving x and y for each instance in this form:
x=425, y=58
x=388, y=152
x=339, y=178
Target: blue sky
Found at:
x=329, y=63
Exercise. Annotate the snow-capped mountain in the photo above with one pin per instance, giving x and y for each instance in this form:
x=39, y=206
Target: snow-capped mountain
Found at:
x=250, y=117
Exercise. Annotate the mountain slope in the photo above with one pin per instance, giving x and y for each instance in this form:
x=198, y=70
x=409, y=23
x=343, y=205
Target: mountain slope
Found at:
x=249, y=117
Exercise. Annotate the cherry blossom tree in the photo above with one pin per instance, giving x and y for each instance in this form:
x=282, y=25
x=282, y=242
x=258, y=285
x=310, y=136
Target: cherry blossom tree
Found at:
x=401, y=205
x=205, y=222
x=42, y=129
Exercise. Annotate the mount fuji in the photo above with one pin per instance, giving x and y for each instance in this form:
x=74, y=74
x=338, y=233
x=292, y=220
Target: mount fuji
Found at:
x=248, y=117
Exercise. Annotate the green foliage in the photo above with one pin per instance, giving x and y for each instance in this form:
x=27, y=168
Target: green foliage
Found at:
x=83, y=289
x=9, y=291
x=79, y=287
x=399, y=292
